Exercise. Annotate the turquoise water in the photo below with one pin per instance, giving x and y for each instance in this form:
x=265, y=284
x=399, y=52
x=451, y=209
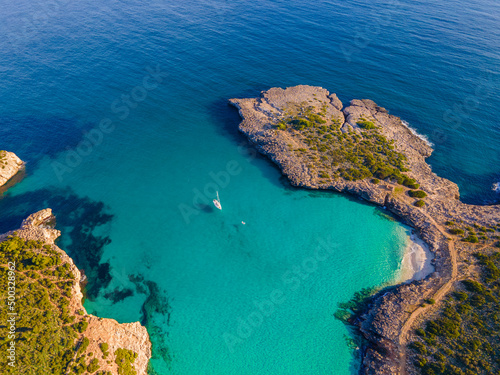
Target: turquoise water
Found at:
x=201, y=281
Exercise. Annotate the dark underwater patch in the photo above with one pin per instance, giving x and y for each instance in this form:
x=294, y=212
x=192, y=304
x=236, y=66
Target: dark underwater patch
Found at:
x=155, y=316
x=119, y=294
x=40, y=137
x=77, y=218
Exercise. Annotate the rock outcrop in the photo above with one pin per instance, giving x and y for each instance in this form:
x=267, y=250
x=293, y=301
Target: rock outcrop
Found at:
x=131, y=336
x=387, y=322
x=10, y=165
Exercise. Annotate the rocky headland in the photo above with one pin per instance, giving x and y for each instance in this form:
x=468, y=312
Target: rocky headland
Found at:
x=365, y=151
x=88, y=344
x=10, y=166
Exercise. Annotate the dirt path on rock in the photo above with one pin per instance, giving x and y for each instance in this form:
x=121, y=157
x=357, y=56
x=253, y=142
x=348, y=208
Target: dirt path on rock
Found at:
x=438, y=296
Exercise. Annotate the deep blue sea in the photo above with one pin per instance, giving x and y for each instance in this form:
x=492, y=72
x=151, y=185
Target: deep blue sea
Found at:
x=120, y=110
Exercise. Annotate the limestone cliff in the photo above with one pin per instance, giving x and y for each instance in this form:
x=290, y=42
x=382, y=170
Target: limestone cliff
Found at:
x=10, y=165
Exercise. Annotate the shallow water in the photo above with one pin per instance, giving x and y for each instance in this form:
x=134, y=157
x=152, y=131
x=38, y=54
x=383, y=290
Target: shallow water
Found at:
x=194, y=278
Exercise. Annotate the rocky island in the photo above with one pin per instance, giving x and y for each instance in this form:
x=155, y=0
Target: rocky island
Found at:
x=46, y=329
x=363, y=150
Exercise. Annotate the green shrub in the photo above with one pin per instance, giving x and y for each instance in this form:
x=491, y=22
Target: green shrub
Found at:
x=460, y=296
x=432, y=368
x=93, y=366
x=471, y=238
x=83, y=345
x=365, y=124
x=420, y=203
x=409, y=182
x=443, y=327
x=490, y=270
x=420, y=362
x=81, y=326
x=474, y=286
x=375, y=181
x=464, y=337
x=104, y=347
x=420, y=332
x=417, y=193
x=456, y=231
x=125, y=359
x=477, y=300
x=419, y=347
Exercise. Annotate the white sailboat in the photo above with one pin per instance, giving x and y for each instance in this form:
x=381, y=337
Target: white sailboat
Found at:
x=217, y=202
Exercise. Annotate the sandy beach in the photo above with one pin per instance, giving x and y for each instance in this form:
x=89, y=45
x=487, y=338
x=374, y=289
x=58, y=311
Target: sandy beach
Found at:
x=416, y=263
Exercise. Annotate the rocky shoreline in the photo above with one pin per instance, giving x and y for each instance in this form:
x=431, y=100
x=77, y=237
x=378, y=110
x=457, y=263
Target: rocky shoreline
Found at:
x=387, y=322
x=130, y=336
x=10, y=166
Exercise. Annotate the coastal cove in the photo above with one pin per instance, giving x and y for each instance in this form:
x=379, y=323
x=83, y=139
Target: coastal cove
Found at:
x=311, y=269
x=119, y=111
x=338, y=248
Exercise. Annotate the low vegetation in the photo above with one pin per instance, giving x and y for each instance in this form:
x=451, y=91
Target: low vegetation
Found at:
x=104, y=349
x=468, y=233
x=417, y=193
x=353, y=155
x=463, y=338
x=48, y=337
x=125, y=360
x=420, y=203
x=46, y=333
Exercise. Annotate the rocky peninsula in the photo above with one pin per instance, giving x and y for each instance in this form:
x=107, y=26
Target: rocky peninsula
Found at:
x=10, y=166
x=48, y=329
x=365, y=151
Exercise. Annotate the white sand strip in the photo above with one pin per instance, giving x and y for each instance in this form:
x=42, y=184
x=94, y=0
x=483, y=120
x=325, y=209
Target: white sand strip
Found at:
x=416, y=263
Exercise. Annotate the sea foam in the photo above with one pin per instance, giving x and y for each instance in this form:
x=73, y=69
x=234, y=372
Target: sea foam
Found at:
x=421, y=136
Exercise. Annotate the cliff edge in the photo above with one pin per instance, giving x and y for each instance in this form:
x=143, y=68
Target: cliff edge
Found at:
x=10, y=165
